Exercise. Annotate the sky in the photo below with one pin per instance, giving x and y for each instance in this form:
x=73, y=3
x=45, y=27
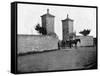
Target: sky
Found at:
x=30, y=14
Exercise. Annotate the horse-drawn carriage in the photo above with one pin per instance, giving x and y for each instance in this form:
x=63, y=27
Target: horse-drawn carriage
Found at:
x=68, y=43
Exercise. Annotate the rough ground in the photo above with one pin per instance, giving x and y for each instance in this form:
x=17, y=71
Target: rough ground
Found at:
x=64, y=59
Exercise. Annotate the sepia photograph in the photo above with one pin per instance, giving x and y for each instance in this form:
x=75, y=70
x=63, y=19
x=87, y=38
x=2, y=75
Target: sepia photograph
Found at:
x=54, y=37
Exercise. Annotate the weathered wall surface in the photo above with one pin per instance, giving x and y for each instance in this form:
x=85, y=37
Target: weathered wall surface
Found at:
x=65, y=30
x=31, y=43
x=67, y=27
x=50, y=24
x=70, y=26
x=85, y=41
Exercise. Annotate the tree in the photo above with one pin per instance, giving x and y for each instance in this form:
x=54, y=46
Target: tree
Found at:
x=85, y=32
x=40, y=29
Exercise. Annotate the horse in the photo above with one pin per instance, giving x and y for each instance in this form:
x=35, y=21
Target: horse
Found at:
x=71, y=42
x=61, y=44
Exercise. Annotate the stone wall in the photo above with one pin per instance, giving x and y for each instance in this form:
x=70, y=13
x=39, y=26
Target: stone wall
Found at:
x=31, y=43
x=70, y=26
x=67, y=27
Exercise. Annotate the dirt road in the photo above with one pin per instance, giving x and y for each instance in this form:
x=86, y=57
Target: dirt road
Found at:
x=64, y=59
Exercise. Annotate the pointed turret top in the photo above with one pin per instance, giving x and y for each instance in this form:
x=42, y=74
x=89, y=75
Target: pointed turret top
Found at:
x=48, y=14
x=67, y=18
x=47, y=11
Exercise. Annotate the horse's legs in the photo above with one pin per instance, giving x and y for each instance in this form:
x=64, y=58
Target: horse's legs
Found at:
x=58, y=46
x=75, y=45
x=70, y=45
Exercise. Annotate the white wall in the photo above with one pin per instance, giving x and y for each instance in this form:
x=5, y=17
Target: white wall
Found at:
x=5, y=38
x=36, y=43
x=85, y=41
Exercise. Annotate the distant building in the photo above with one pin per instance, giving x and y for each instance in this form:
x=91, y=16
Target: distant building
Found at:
x=67, y=28
x=48, y=22
x=85, y=40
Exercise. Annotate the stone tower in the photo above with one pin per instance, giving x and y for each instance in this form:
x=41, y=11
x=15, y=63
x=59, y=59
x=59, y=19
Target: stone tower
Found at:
x=48, y=22
x=67, y=28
